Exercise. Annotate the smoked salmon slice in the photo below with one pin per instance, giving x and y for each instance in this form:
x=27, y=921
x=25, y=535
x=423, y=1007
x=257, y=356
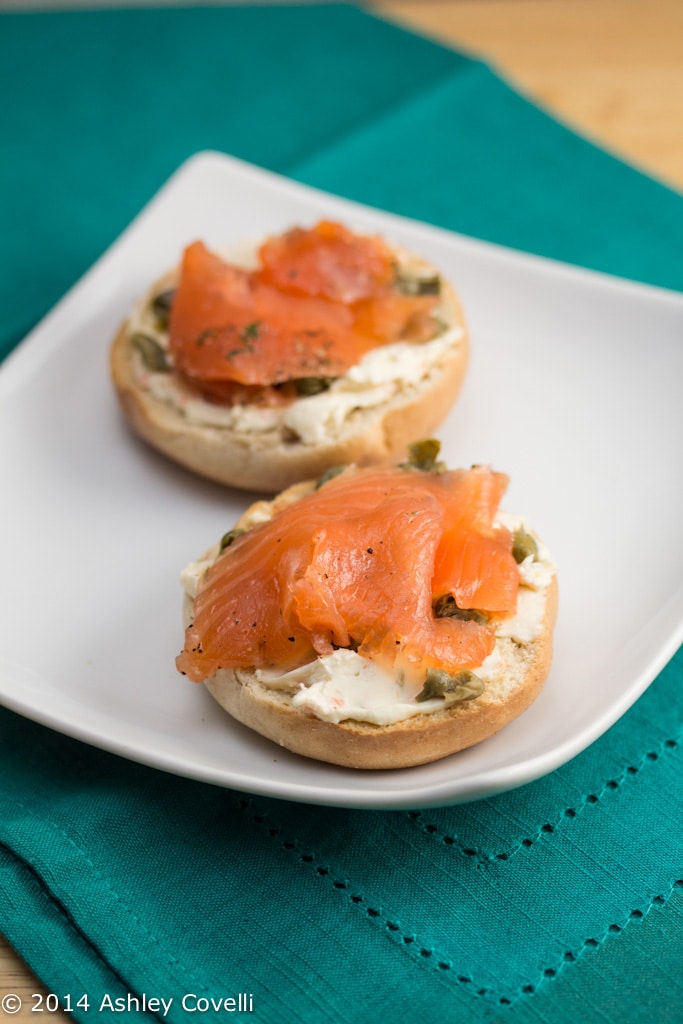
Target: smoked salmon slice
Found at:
x=321, y=298
x=360, y=562
x=329, y=261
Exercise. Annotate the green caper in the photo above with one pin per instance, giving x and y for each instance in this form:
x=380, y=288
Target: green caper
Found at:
x=409, y=285
x=462, y=686
x=446, y=608
x=161, y=307
x=151, y=352
x=229, y=537
x=312, y=385
x=523, y=545
x=440, y=326
x=329, y=474
x=423, y=455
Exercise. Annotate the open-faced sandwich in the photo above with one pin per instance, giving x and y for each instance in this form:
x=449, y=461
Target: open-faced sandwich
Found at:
x=376, y=618
x=265, y=365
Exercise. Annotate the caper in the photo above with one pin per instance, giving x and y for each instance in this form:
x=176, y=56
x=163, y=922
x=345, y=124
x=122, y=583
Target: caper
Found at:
x=161, y=306
x=312, y=385
x=151, y=352
x=423, y=455
x=523, y=545
x=229, y=537
x=446, y=608
x=461, y=686
x=329, y=474
x=409, y=285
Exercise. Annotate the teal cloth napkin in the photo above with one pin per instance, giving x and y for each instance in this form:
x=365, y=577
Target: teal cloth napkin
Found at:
x=561, y=901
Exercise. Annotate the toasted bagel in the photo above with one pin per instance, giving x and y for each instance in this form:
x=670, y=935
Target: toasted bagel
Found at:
x=278, y=706
x=397, y=393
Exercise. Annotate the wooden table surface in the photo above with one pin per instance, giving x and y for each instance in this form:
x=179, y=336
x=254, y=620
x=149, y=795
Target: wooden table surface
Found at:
x=611, y=69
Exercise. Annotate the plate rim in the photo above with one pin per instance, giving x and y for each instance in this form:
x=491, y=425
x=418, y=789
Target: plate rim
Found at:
x=20, y=361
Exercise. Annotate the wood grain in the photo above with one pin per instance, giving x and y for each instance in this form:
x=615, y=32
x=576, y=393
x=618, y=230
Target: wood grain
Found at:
x=612, y=69
x=16, y=978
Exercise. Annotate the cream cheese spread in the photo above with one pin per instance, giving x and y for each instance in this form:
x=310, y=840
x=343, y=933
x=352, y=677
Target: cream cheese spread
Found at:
x=343, y=685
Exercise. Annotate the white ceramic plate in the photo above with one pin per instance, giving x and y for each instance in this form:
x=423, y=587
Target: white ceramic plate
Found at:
x=574, y=390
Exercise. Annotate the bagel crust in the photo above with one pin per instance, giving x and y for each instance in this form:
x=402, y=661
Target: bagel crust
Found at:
x=422, y=738
x=414, y=741
x=269, y=460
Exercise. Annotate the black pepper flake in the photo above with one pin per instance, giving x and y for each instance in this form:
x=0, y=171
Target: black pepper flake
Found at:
x=291, y=639
x=371, y=551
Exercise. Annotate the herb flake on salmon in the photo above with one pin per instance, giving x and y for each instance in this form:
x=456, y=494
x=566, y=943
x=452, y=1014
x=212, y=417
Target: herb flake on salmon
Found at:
x=319, y=300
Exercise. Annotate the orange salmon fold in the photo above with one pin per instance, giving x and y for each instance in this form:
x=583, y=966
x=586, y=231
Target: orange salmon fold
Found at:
x=359, y=563
x=320, y=299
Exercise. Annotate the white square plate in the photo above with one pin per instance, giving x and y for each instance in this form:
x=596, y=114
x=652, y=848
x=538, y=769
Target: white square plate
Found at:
x=573, y=390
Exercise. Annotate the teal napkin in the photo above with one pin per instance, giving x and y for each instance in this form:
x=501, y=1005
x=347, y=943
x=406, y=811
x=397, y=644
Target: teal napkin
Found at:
x=561, y=901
